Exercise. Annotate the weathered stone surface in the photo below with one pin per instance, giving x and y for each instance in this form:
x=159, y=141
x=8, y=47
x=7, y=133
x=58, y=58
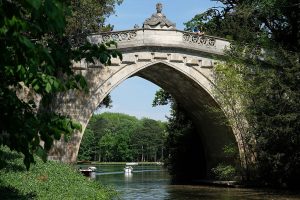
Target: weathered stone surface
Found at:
x=192, y=62
x=115, y=62
x=207, y=63
x=177, y=58
x=144, y=57
x=160, y=56
x=129, y=59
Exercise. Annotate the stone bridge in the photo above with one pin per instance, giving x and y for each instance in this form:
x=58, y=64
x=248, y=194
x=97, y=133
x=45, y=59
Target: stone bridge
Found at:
x=180, y=62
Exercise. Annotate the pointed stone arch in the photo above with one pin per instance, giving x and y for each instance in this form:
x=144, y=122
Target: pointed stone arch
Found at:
x=180, y=62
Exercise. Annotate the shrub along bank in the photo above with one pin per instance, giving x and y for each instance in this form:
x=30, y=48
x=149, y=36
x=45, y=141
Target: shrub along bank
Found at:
x=50, y=180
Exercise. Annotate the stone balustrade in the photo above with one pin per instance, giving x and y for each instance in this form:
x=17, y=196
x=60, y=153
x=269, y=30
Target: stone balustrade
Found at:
x=163, y=38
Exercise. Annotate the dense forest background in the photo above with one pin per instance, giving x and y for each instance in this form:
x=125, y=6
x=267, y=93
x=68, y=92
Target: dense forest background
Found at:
x=119, y=137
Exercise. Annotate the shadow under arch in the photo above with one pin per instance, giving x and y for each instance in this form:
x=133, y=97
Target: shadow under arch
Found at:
x=192, y=92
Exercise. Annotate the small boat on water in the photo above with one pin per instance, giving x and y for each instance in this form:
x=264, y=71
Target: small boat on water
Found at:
x=128, y=169
x=92, y=168
x=88, y=171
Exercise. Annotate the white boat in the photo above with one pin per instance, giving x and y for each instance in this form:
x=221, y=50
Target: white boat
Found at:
x=128, y=169
x=89, y=171
x=86, y=172
x=92, y=168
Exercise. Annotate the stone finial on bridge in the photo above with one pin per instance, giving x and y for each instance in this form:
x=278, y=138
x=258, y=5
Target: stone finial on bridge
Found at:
x=158, y=20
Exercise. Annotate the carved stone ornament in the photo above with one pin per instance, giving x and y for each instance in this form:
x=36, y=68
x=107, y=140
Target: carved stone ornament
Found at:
x=199, y=39
x=158, y=20
x=118, y=36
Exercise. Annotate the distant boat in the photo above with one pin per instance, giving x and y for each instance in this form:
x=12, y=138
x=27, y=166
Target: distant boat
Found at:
x=88, y=172
x=92, y=168
x=128, y=169
x=132, y=163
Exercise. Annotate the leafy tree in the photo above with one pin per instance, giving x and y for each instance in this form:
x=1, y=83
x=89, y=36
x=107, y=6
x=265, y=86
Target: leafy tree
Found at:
x=107, y=145
x=263, y=68
x=88, y=16
x=36, y=57
x=226, y=170
x=120, y=137
x=86, y=148
x=106, y=103
x=147, y=140
x=112, y=136
x=123, y=149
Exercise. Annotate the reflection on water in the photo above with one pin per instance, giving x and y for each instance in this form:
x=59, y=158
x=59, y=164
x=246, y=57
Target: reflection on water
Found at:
x=152, y=182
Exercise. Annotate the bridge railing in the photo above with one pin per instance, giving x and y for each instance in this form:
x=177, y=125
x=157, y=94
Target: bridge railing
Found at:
x=162, y=37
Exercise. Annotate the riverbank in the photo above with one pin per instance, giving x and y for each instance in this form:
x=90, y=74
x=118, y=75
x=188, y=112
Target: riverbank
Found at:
x=50, y=180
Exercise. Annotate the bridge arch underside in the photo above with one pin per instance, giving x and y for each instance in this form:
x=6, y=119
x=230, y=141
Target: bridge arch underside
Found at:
x=206, y=147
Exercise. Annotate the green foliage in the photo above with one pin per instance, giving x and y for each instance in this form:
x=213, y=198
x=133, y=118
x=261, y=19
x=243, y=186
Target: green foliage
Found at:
x=107, y=102
x=224, y=172
x=258, y=84
x=253, y=22
x=120, y=137
x=86, y=146
x=51, y=180
x=232, y=93
x=162, y=98
x=231, y=151
x=36, y=57
x=88, y=16
x=148, y=140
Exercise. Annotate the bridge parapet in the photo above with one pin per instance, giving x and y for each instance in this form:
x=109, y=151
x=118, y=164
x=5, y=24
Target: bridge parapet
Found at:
x=138, y=38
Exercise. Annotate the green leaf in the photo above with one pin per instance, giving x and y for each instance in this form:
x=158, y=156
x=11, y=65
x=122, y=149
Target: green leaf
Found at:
x=26, y=42
x=48, y=88
x=76, y=125
x=36, y=87
x=56, y=84
x=40, y=152
x=3, y=30
x=9, y=71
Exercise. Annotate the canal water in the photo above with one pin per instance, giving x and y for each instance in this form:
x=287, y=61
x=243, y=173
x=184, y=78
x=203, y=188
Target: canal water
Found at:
x=153, y=182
